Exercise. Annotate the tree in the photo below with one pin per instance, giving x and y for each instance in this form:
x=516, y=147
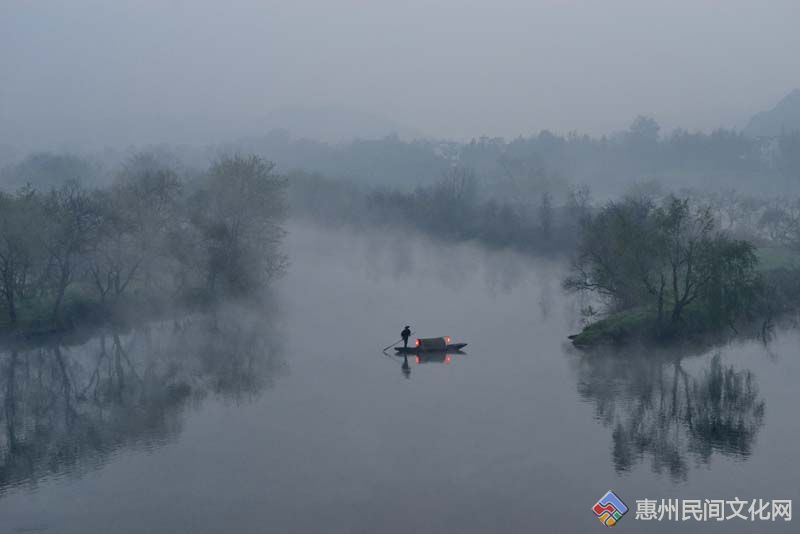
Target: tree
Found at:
x=781, y=222
x=239, y=210
x=617, y=254
x=685, y=251
x=74, y=221
x=448, y=206
x=546, y=216
x=667, y=258
x=642, y=142
x=643, y=131
x=21, y=245
x=147, y=193
x=138, y=212
x=457, y=186
x=115, y=257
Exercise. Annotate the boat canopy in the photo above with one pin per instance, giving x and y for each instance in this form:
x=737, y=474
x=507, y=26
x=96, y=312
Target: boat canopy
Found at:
x=432, y=343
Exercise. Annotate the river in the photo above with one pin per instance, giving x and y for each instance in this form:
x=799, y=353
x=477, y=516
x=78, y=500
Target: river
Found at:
x=291, y=419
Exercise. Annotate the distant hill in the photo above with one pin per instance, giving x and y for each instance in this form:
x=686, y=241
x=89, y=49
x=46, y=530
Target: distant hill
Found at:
x=785, y=117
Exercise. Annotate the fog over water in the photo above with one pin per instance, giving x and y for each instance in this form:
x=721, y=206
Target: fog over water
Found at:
x=290, y=419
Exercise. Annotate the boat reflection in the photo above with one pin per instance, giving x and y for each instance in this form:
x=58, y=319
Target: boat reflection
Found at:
x=424, y=358
x=659, y=409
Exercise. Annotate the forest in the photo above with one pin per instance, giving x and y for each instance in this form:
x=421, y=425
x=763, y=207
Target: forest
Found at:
x=668, y=234
x=146, y=243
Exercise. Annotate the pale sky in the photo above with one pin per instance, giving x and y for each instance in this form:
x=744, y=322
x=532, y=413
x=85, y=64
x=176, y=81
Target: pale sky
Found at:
x=81, y=71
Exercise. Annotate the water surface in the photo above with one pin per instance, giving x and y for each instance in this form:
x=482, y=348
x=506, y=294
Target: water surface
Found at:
x=291, y=419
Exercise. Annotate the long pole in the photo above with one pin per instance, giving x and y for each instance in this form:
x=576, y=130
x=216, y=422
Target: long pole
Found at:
x=398, y=341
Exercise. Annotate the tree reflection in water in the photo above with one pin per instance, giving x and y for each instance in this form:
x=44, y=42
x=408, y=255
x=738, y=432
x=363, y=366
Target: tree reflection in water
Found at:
x=658, y=410
x=66, y=409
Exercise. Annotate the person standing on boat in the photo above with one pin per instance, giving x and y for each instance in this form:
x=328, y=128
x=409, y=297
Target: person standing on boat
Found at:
x=405, y=334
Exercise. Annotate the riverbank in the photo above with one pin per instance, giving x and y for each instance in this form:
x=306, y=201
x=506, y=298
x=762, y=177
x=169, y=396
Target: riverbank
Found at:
x=81, y=312
x=780, y=297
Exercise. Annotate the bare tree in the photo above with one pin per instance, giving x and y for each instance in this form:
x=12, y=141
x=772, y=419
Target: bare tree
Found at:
x=115, y=257
x=21, y=224
x=144, y=201
x=74, y=220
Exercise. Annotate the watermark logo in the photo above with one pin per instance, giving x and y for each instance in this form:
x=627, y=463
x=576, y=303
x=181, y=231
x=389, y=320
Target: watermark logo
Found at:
x=609, y=509
x=713, y=509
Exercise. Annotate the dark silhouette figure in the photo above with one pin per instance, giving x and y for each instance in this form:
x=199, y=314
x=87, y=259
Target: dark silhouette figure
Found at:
x=405, y=334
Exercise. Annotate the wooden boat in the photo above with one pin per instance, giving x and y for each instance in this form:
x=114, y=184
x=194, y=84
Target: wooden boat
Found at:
x=452, y=348
x=432, y=344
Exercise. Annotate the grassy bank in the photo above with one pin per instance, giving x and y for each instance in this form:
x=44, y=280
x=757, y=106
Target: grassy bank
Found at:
x=780, y=273
x=617, y=328
x=642, y=324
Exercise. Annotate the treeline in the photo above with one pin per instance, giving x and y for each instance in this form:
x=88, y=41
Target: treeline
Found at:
x=529, y=165
x=766, y=220
x=149, y=239
x=668, y=267
x=459, y=206
x=523, y=167
x=453, y=209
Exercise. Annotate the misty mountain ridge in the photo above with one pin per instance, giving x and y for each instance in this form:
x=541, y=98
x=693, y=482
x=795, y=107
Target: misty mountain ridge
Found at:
x=783, y=118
